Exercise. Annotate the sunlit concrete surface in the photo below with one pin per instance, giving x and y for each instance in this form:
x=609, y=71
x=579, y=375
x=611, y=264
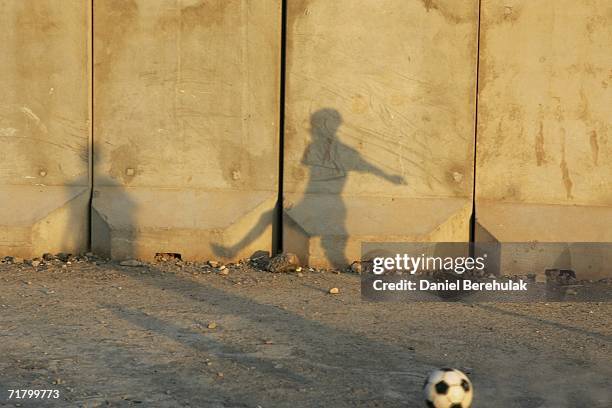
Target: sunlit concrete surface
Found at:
x=44, y=126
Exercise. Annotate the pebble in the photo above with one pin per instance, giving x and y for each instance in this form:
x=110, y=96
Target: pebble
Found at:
x=334, y=291
x=212, y=325
x=214, y=264
x=356, y=267
x=35, y=263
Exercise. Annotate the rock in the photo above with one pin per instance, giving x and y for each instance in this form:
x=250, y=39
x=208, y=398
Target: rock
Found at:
x=131, y=262
x=48, y=257
x=222, y=267
x=561, y=276
x=260, y=259
x=35, y=263
x=356, y=267
x=214, y=264
x=224, y=272
x=284, y=262
x=63, y=256
x=212, y=325
x=17, y=260
x=334, y=291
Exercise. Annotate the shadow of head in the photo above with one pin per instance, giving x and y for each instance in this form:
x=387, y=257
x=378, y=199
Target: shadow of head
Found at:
x=325, y=122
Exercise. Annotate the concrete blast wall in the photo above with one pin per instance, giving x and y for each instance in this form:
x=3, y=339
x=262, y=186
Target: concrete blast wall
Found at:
x=186, y=127
x=379, y=133
x=380, y=117
x=545, y=106
x=44, y=126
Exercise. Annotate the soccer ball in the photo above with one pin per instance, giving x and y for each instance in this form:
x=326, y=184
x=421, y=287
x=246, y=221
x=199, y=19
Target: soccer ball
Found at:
x=448, y=388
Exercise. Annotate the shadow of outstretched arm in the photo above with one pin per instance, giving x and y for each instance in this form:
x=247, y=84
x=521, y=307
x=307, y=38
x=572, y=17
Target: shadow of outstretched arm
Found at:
x=363, y=166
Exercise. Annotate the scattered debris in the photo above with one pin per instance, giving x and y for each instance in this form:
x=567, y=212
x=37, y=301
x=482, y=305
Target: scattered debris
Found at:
x=561, y=276
x=64, y=257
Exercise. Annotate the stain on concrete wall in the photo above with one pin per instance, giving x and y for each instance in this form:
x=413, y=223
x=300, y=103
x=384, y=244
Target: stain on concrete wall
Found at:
x=544, y=105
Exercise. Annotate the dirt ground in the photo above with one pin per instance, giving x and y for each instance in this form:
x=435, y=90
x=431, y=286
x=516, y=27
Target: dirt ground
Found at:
x=168, y=335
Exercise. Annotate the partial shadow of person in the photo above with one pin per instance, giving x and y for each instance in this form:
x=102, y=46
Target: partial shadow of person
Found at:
x=114, y=229
x=329, y=162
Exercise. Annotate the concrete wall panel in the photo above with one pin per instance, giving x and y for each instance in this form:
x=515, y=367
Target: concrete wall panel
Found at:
x=379, y=124
x=544, y=168
x=186, y=126
x=44, y=126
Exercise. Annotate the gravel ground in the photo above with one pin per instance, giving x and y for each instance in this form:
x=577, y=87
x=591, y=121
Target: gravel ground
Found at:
x=174, y=334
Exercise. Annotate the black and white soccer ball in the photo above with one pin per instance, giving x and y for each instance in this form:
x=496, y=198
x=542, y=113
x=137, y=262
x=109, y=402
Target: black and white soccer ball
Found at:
x=448, y=388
